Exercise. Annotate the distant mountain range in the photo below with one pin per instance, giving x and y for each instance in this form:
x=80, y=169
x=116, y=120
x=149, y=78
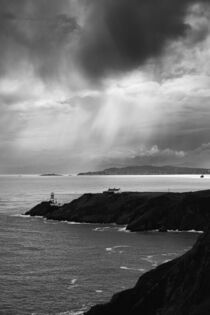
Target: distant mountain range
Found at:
x=149, y=170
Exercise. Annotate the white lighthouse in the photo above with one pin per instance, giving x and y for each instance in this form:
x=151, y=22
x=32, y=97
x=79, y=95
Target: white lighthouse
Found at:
x=52, y=198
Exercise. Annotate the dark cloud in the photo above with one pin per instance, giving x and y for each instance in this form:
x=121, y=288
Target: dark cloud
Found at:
x=120, y=35
x=114, y=36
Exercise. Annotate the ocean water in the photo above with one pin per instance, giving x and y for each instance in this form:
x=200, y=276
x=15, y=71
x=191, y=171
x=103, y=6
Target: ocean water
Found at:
x=49, y=267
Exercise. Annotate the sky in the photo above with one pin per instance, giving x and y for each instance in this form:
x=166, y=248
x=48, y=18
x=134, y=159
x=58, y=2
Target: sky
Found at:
x=91, y=84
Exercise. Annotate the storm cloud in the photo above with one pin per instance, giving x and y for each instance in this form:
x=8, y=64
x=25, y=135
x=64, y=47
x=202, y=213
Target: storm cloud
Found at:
x=97, y=37
x=121, y=35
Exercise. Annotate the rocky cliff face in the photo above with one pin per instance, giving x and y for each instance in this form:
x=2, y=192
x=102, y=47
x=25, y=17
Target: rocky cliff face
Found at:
x=179, y=287
x=139, y=211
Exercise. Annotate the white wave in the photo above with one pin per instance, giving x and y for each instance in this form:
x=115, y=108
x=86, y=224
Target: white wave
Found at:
x=99, y=291
x=113, y=226
x=194, y=231
x=165, y=261
x=79, y=312
x=155, y=264
x=46, y=221
x=114, y=248
x=121, y=246
x=19, y=215
x=123, y=229
x=71, y=222
x=74, y=312
x=73, y=281
x=73, y=284
x=178, y=231
x=102, y=229
x=148, y=258
x=183, y=231
x=134, y=269
x=170, y=254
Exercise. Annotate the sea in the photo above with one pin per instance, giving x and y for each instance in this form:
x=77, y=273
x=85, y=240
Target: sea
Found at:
x=63, y=268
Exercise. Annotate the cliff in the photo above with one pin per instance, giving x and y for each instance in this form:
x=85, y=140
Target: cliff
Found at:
x=179, y=287
x=139, y=211
x=149, y=170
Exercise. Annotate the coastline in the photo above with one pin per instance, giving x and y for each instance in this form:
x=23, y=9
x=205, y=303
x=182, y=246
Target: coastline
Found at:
x=138, y=211
x=121, y=228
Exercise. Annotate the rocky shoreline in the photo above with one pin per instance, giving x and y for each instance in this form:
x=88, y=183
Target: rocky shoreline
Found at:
x=139, y=211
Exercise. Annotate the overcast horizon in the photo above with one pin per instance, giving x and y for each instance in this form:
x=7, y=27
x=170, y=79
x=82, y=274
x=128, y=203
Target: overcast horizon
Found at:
x=92, y=84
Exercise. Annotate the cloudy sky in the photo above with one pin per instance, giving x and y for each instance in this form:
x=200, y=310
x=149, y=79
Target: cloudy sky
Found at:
x=89, y=84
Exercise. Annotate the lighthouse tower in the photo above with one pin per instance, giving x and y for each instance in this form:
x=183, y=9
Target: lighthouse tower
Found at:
x=52, y=198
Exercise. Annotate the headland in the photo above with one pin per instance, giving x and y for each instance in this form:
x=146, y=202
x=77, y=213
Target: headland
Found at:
x=139, y=211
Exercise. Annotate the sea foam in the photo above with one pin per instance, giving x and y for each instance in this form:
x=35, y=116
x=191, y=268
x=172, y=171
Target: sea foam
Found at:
x=134, y=269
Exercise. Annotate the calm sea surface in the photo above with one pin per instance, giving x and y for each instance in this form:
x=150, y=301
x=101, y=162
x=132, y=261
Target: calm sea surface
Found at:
x=54, y=268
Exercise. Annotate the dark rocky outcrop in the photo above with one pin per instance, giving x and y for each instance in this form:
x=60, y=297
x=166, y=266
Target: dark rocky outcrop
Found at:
x=179, y=287
x=139, y=211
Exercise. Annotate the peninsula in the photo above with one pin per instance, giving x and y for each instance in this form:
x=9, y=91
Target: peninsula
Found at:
x=139, y=211
x=150, y=170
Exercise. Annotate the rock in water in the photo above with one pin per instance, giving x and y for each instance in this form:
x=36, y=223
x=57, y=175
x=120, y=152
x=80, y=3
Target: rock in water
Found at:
x=179, y=287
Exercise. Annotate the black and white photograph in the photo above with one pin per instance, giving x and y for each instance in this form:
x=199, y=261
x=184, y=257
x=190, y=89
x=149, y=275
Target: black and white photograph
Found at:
x=104, y=157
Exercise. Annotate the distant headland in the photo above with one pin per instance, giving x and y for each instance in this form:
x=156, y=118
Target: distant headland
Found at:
x=149, y=170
